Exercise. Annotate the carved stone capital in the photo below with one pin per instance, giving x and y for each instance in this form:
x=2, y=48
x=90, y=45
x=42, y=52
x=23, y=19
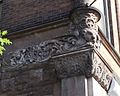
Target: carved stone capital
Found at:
x=84, y=25
x=85, y=17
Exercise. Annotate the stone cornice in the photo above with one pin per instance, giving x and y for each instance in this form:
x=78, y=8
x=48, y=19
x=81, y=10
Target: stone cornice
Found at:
x=40, y=28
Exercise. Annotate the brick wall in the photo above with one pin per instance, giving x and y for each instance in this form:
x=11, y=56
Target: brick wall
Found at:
x=21, y=14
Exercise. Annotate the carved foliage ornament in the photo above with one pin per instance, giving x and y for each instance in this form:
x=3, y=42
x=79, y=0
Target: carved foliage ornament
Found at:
x=101, y=73
x=82, y=34
x=46, y=50
x=84, y=24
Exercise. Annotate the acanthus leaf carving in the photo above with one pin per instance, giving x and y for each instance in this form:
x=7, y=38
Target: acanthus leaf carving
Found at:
x=46, y=50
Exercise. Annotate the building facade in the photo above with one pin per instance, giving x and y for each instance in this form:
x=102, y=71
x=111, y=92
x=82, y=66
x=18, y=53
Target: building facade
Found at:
x=61, y=48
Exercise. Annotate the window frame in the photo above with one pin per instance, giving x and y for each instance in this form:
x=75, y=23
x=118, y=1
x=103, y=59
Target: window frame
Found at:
x=108, y=21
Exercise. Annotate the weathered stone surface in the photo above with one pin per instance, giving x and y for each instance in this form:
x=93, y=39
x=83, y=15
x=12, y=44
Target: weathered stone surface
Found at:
x=74, y=86
x=74, y=65
x=86, y=63
x=83, y=63
x=33, y=70
x=30, y=82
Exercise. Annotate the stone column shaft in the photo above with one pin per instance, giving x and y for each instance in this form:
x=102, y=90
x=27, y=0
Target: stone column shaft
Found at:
x=74, y=86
